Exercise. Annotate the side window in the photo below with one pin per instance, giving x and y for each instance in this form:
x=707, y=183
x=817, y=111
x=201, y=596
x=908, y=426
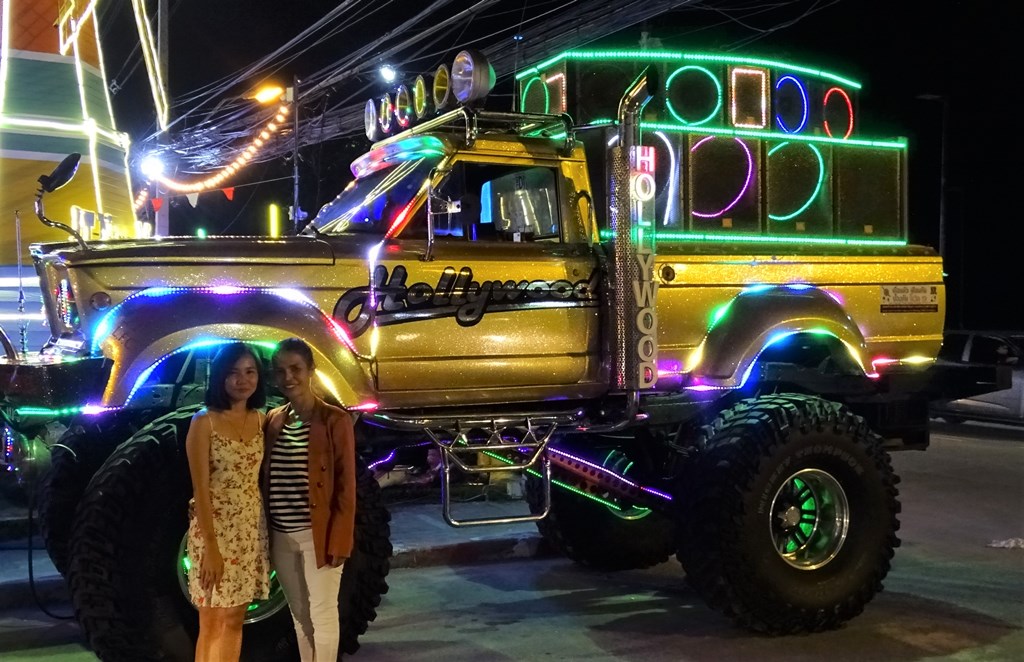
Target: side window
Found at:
x=953, y=347
x=497, y=203
x=986, y=349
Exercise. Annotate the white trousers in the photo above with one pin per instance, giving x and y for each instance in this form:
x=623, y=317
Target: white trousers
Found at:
x=312, y=594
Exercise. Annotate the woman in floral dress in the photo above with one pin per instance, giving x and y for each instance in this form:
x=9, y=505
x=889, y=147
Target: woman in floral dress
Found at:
x=227, y=535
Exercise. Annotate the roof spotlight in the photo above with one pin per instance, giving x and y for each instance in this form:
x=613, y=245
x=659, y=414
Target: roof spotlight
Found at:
x=388, y=73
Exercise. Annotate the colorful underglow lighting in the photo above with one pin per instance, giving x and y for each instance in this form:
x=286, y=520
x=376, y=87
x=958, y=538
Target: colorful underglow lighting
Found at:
x=366, y=406
x=384, y=460
x=526, y=90
x=406, y=149
x=793, y=80
x=665, y=56
x=105, y=326
x=88, y=410
x=849, y=109
x=762, y=77
x=817, y=186
x=221, y=176
x=668, y=101
x=743, y=190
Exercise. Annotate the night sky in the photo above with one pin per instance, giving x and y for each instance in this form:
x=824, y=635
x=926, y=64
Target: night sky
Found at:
x=915, y=60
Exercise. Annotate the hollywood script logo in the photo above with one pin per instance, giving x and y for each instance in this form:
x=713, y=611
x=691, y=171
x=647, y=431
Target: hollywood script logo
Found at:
x=455, y=295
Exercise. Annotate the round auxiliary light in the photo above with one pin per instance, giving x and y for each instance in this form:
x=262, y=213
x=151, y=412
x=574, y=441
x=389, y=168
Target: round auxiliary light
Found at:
x=403, y=106
x=442, y=93
x=472, y=76
x=370, y=122
x=387, y=110
x=421, y=96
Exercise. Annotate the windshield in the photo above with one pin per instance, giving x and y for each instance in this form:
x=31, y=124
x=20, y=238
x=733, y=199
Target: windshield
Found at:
x=371, y=204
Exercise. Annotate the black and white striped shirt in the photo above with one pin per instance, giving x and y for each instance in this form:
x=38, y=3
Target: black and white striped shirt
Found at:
x=289, y=479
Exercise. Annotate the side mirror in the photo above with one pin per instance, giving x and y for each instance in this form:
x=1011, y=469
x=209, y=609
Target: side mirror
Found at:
x=62, y=174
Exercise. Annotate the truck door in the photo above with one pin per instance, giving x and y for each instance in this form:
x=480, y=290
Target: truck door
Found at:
x=507, y=306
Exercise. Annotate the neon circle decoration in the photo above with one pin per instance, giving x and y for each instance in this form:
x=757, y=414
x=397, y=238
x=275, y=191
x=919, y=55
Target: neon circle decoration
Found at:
x=803, y=96
x=849, y=109
x=671, y=108
x=387, y=113
x=817, y=187
x=370, y=122
x=403, y=106
x=421, y=96
x=746, y=184
x=526, y=92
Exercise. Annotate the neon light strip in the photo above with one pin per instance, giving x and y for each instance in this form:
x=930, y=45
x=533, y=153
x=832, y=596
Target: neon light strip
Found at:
x=76, y=26
x=803, y=95
x=214, y=181
x=696, y=57
x=763, y=75
x=672, y=109
x=682, y=128
x=746, y=184
x=673, y=176
x=153, y=64
x=565, y=93
x=547, y=94
x=849, y=109
x=85, y=128
x=817, y=187
x=673, y=236
x=92, y=135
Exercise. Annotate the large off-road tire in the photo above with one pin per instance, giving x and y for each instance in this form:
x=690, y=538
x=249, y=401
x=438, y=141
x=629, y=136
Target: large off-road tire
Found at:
x=73, y=461
x=124, y=571
x=599, y=536
x=788, y=517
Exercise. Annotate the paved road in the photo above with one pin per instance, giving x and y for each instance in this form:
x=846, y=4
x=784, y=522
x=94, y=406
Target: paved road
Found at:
x=950, y=596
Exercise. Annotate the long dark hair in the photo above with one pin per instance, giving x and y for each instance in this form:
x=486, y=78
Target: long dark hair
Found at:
x=223, y=362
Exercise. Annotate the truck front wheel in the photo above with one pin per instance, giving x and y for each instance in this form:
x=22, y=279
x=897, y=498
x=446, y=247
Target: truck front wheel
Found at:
x=126, y=561
x=788, y=518
x=606, y=534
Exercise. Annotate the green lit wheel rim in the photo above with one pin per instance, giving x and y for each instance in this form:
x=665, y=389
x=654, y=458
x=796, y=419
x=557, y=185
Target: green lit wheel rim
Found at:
x=620, y=463
x=810, y=519
x=258, y=610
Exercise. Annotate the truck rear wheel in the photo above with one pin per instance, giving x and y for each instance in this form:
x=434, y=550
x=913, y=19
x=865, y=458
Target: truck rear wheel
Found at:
x=125, y=558
x=788, y=518
x=603, y=537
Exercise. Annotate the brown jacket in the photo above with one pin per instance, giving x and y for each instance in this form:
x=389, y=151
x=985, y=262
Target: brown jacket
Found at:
x=332, y=476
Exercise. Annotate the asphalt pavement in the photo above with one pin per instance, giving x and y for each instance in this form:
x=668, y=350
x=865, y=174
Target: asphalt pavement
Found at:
x=419, y=535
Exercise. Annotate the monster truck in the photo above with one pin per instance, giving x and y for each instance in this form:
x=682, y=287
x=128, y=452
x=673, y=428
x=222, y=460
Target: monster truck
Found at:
x=698, y=327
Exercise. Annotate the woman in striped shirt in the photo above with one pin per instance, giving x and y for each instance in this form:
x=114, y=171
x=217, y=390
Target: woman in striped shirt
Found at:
x=309, y=480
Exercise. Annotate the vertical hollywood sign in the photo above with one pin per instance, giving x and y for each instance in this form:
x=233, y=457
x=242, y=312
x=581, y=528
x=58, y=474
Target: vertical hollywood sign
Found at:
x=645, y=290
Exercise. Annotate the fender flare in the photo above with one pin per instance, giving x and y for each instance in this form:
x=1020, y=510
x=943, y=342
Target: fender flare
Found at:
x=761, y=316
x=143, y=330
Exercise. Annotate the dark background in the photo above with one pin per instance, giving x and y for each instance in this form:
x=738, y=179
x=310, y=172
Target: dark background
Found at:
x=937, y=73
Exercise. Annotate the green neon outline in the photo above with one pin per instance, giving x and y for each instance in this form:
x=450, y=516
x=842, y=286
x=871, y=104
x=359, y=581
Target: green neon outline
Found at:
x=697, y=57
x=745, y=133
x=817, y=188
x=559, y=483
x=547, y=95
x=714, y=79
x=679, y=237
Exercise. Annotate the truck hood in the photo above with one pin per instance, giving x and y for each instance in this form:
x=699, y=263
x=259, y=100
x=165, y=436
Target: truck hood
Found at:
x=190, y=250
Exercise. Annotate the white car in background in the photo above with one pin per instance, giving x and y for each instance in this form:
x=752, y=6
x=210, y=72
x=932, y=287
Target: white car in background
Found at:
x=990, y=348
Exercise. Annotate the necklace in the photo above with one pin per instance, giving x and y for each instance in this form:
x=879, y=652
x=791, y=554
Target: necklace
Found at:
x=241, y=432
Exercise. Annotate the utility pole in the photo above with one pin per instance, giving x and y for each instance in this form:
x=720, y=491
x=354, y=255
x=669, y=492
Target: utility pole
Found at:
x=163, y=215
x=297, y=215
